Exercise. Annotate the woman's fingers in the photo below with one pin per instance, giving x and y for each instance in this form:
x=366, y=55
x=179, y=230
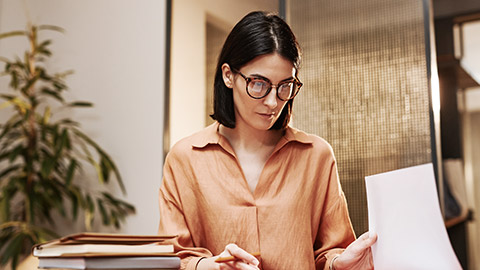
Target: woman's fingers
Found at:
x=244, y=266
x=358, y=254
x=244, y=260
x=367, y=239
x=227, y=266
x=237, y=265
x=372, y=238
x=239, y=253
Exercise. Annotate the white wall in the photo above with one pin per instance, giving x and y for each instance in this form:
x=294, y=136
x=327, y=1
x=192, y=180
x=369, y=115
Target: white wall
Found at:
x=187, y=94
x=471, y=133
x=117, y=49
x=470, y=113
x=471, y=49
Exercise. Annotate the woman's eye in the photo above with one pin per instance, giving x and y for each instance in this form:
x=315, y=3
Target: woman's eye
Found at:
x=286, y=86
x=259, y=85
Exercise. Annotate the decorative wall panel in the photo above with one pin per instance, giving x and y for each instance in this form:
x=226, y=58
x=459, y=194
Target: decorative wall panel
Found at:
x=366, y=89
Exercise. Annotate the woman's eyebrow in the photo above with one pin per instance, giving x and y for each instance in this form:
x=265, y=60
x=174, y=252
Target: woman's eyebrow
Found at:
x=265, y=78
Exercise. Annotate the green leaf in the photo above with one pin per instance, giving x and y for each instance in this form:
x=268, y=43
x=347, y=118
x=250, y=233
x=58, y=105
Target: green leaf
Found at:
x=5, y=131
x=47, y=165
x=14, y=80
x=14, y=154
x=8, y=170
x=90, y=205
x=61, y=143
x=64, y=74
x=80, y=104
x=115, y=219
x=44, y=51
x=33, y=100
x=43, y=234
x=8, y=193
x=52, y=93
x=75, y=201
x=26, y=60
x=5, y=235
x=103, y=154
x=119, y=204
x=29, y=84
x=70, y=172
x=106, y=167
x=60, y=206
x=48, y=197
x=46, y=116
x=4, y=59
x=4, y=208
x=59, y=85
x=51, y=27
x=43, y=75
x=89, y=213
x=68, y=141
x=82, y=202
x=69, y=122
x=97, y=167
x=5, y=154
x=45, y=43
x=13, y=249
x=13, y=33
x=103, y=212
x=7, y=97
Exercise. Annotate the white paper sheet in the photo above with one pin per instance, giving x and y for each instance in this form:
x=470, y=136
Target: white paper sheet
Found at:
x=404, y=211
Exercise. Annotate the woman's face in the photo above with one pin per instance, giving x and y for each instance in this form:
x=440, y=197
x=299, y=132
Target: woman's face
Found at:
x=261, y=113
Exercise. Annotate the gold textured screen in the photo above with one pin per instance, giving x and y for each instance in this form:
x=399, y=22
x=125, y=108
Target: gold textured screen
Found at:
x=366, y=90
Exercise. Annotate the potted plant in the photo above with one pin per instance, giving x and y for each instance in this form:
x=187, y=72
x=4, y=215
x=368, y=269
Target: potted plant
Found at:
x=41, y=156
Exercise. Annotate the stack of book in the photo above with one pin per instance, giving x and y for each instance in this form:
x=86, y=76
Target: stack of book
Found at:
x=107, y=251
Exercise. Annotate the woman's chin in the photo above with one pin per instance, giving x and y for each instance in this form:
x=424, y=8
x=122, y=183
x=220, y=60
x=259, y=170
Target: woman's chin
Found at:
x=264, y=125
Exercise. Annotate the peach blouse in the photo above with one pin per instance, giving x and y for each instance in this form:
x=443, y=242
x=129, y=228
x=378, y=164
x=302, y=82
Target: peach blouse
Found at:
x=297, y=217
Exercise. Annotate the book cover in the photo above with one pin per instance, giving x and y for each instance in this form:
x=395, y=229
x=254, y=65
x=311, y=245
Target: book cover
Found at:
x=158, y=262
x=107, y=244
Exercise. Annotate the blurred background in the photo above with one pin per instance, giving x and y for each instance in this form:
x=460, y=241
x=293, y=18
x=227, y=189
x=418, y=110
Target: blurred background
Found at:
x=390, y=84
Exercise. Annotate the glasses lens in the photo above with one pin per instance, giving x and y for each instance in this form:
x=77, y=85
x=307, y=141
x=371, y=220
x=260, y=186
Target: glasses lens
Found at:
x=258, y=88
x=287, y=90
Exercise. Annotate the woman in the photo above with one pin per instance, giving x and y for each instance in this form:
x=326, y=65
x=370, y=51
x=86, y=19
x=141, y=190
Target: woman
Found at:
x=249, y=182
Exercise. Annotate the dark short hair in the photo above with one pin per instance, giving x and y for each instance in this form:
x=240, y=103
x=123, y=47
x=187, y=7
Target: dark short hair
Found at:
x=258, y=33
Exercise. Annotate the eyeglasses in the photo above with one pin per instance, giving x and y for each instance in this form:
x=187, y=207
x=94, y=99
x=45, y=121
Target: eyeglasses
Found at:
x=258, y=88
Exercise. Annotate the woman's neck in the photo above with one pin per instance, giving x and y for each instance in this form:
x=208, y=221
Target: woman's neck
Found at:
x=249, y=138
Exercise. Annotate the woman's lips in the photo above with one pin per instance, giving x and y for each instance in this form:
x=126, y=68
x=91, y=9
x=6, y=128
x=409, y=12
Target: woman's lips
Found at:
x=266, y=115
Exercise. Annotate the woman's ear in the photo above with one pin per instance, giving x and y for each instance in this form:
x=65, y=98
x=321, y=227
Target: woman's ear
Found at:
x=227, y=75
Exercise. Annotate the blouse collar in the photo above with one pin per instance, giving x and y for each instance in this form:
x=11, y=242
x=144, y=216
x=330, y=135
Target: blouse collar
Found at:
x=211, y=135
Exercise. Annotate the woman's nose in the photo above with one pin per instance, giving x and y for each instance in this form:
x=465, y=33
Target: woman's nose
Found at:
x=271, y=99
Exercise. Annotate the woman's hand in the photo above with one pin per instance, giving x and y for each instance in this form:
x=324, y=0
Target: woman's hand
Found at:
x=358, y=254
x=246, y=261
